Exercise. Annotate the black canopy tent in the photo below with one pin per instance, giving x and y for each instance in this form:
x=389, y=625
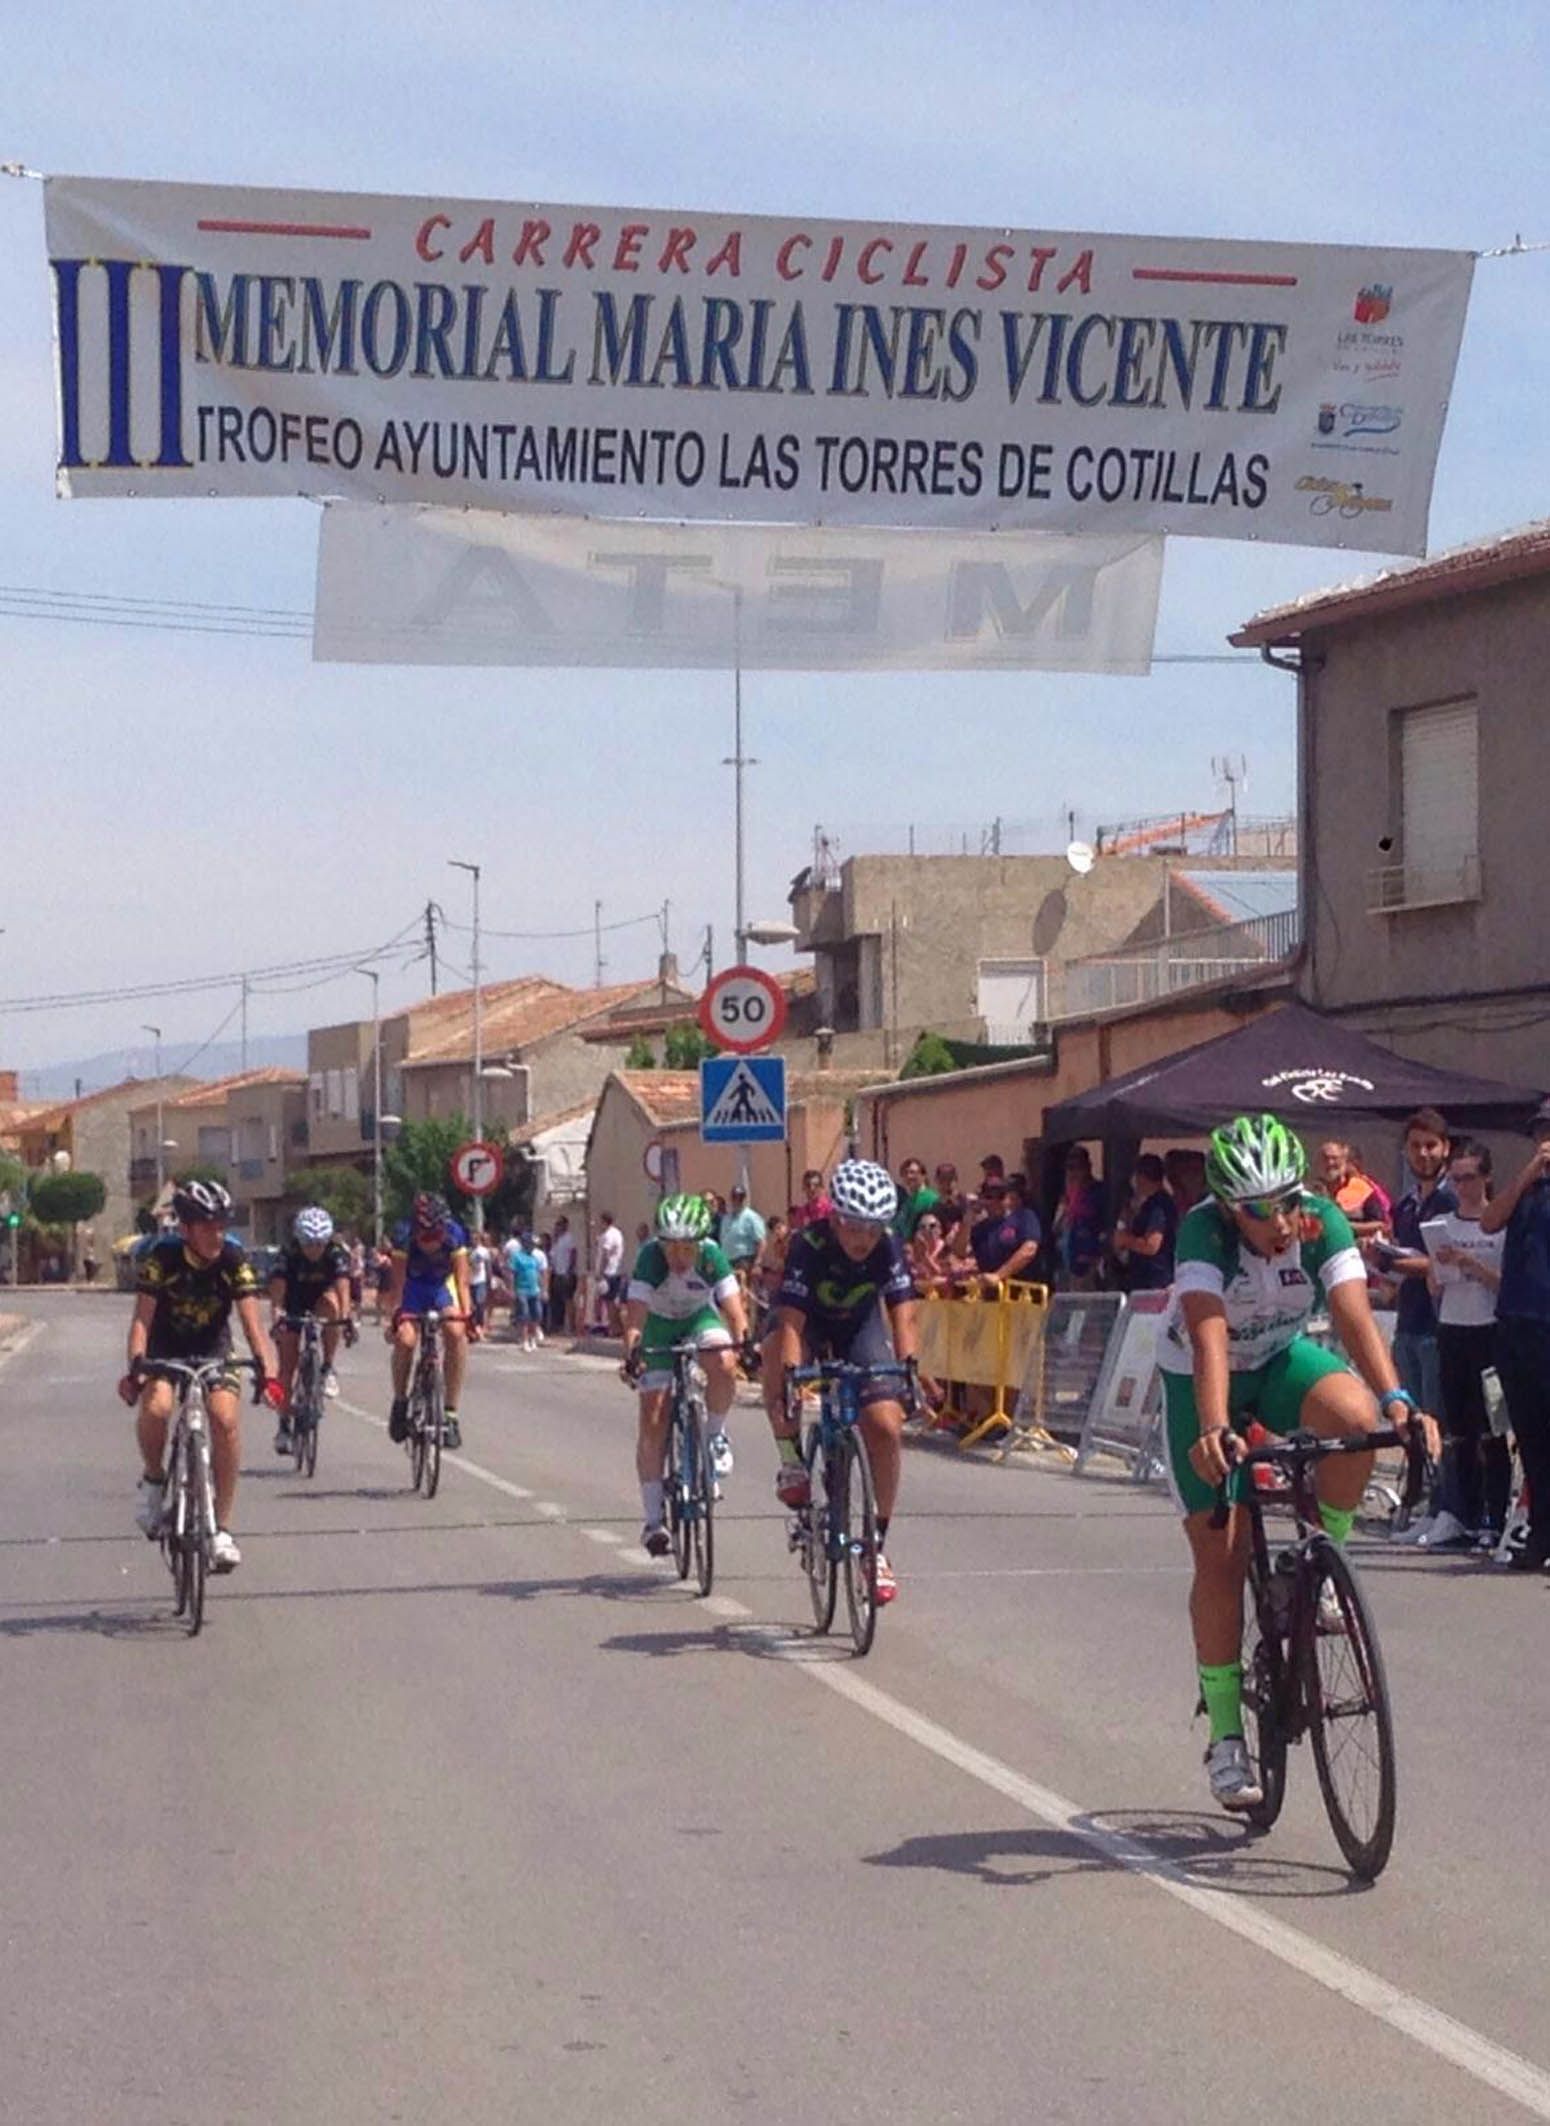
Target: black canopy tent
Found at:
x=1312, y=1071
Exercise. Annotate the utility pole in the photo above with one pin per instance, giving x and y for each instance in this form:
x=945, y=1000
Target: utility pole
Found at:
x=244, y=1022
x=598, y=962
x=478, y=1118
x=376, y=1103
x=737, y=762
x=430, y=939
x=161, y=1157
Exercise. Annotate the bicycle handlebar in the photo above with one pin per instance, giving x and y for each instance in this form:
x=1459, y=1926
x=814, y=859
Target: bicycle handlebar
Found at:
x=201, y=1370
x=1298, y=1449
x=904, y=1370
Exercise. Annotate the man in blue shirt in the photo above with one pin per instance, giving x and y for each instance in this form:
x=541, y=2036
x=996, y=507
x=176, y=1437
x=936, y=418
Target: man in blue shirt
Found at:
x=429, y=1275
x=1005, y=1242
x=1144, y=1241
x=1407, y=1262
x=1523, y=1330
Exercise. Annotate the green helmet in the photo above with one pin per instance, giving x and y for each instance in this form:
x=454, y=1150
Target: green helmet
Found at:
x=1255, y=1155
x=683, y=1218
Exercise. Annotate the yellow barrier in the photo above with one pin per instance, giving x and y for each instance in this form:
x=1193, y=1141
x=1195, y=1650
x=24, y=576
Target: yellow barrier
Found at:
x=982, y=1340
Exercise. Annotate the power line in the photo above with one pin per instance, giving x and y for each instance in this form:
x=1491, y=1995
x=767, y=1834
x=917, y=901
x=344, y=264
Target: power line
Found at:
x=328, y=967
x=530, y=937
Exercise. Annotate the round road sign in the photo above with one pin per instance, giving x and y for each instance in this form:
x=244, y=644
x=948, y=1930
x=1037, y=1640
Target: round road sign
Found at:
x=743, y=1009
x=477, y=1167
x=651, y=1160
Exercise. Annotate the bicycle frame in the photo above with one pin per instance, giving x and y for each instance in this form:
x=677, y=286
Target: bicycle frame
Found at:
x=188, y=1499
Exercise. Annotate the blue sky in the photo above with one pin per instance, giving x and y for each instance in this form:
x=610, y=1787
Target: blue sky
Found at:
x=175, y=804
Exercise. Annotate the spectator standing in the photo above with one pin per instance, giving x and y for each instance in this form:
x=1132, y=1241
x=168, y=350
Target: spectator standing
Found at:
x=562, y=1276
x=1005, y=1242
x=1407, y=1262
x=815, y=1205
x=1523, y=1330
x=1079, y=1224
x=1341, y=1179
x=952, y=1205
x=926, y=1253
x=608, y=1269
x=525, y=1269
x=1477, y=1467
x=1185, y=1170
x=1144, y=1238
x=742, y=1234
x=915, y=1198
x=481, y=1258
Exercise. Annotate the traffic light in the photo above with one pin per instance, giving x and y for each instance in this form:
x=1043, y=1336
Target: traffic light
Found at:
x=13, y=1219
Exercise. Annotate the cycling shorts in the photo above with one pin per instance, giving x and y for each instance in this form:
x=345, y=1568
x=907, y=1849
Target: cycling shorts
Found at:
x=422, y=1295
x=1273, y=1393
x=705, y=1330
x=863, y=1341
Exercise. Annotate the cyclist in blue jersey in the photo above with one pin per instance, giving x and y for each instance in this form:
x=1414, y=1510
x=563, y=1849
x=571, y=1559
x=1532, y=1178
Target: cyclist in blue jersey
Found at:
x=429, y=1274
x=846, y=1292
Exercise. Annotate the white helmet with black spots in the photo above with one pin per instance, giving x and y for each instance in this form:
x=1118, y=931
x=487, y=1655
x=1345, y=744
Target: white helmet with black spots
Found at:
x=313, y=1225
x=865, y=1191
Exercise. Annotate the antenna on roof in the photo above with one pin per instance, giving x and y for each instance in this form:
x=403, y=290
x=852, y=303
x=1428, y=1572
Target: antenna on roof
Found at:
x=1233, y=770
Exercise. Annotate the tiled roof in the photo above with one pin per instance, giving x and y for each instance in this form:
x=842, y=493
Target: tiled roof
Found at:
x=512, y=1015
x=1507, y=558
x=557, y=1120
x=51, y=1117
x=212, y=1092
x=666, y=1095
x=1241, y=896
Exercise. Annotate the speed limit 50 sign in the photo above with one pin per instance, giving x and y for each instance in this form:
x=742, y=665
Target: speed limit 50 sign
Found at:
x=743, y=1009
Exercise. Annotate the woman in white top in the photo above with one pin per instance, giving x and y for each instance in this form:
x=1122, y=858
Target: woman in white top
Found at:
x=1466, y=1270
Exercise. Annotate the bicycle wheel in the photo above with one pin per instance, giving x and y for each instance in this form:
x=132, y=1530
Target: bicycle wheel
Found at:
x=1349, y=1719
x=680, y=1479
x=1265, y=1722
x=417, y=1438
x=702, y=1525
x=817, y=1547
x=304, y=1411
x=435, y=1425
x=857, y=1530
x=175, y=1523
x=198, y=1535
x=307, y=1445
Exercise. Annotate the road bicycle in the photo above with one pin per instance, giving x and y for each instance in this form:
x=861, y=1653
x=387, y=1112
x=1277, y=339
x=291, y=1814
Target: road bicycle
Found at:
x=690, y=1488
x=188, y=1497
x=1312, y=1664
x=428, y=1402
x=835, y=1534
x=306, y=1391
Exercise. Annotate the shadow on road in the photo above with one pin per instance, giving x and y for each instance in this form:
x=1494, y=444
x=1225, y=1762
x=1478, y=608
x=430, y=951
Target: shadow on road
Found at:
x=1203, y=1850
x=142, y=1624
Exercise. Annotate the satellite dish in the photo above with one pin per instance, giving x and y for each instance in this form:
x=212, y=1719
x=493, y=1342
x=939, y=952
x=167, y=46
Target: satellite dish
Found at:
x=1079, y=855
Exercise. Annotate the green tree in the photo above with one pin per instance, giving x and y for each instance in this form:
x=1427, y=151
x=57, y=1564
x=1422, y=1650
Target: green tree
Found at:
x=685, y=1046
x=67, y=1199
x=929, y=1058
x=13, y=1177
x=640, y=1055
x=421, y=1159
x=343, y=1191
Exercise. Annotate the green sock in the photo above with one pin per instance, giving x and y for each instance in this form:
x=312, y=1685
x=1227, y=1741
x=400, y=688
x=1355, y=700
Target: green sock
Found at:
x=1222, y=1689
x=1338, y=1522
x=789, y=1451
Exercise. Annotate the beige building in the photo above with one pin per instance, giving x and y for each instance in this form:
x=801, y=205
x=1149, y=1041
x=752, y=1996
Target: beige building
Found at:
x=645, y=1143
x=247, y=1127
x=1421, y=714
x=981, y=948
x=94, y=1134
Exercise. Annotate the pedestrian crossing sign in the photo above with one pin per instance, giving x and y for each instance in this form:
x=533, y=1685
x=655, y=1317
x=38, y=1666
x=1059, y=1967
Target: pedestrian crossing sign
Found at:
x=743, y=1100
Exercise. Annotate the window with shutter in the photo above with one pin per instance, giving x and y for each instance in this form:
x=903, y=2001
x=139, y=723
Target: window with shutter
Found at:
x=1439, y=809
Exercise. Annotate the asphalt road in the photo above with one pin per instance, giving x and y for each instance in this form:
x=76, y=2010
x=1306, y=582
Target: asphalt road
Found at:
x=465, y=1810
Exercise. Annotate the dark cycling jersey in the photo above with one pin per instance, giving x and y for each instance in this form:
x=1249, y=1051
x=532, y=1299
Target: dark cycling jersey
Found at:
x=193, y=1299
x=307, y=1281
x=832, y=1292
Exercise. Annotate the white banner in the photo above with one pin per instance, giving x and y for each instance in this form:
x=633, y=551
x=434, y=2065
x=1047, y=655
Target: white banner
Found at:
x=713, y=367
x=409, y=586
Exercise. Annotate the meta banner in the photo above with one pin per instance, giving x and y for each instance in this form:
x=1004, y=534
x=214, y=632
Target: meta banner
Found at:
x=630, y=363
x=425, y=586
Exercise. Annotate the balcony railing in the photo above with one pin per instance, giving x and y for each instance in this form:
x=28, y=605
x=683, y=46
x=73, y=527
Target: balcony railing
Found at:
x=1393, y=887
x=1107, y=980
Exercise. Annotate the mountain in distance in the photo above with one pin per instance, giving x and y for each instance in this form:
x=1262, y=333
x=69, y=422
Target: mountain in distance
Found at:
x=58, y=1081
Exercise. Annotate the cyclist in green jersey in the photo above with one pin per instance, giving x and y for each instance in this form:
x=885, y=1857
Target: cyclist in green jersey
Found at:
x=1252, y=1260
x=683, y=1290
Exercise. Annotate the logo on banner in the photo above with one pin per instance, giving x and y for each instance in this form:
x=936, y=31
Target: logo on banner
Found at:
x=1354, y=418
x=1346, y=496
x=1373, y=303
x=1316, y=1088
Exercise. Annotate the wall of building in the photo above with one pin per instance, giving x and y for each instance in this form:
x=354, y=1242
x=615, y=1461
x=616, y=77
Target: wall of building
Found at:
x=1492, y=646
x=339, y=1089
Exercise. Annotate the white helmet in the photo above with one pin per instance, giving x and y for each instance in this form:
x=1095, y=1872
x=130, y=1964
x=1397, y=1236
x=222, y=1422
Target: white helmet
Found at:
x=313, y=1225
x=860, y=1189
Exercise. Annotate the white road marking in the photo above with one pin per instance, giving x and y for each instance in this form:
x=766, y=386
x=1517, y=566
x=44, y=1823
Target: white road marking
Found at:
x=457, y=1461
x=1441, y=2034
x=19, y=1343
x=601, y=1535
x=549, y=1510
x=1453, y=2041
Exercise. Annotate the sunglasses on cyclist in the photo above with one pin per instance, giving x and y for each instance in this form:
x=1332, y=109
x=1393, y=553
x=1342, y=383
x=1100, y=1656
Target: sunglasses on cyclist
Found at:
x=1268, y=1207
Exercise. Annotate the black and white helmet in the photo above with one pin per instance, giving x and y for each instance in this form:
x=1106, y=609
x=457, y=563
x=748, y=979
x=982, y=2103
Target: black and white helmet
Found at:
x=313, y=1224
x=861, y=1189
x=193, y=1200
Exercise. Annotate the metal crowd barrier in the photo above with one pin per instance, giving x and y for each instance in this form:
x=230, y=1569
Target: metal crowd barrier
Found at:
x=983, y=1340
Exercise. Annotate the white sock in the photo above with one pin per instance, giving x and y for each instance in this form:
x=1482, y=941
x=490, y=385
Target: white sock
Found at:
x=651, y=1502
x=718, y=1425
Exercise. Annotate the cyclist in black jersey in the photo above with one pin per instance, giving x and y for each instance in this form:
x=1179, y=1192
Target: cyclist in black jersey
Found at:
x=846, y=1292
x=188, y=1284
x=311, y=1277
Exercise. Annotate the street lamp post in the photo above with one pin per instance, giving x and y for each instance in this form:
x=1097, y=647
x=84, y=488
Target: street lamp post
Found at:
x=457, y=864
x=737, y=762
x=161, y=1153
x=375, y=980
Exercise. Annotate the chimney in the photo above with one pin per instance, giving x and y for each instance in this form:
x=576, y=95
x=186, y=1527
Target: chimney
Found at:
x=667, y=973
